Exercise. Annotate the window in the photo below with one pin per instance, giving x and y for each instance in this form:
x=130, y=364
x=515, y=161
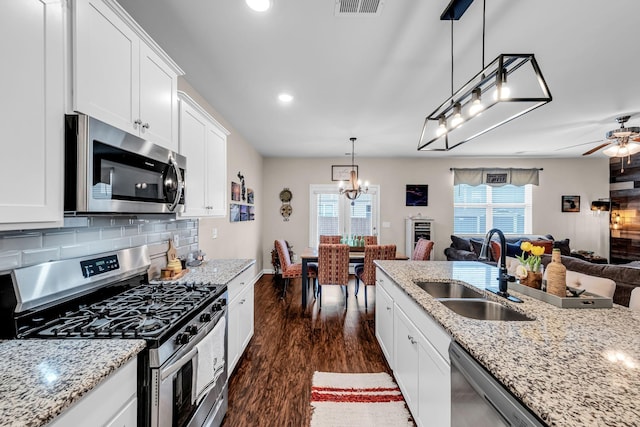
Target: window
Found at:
x=477, y=209
x=334, y=214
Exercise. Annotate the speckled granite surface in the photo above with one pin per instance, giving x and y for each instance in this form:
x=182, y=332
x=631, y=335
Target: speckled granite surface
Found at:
x=571, y=367
x=41, y=378
x=215, y=271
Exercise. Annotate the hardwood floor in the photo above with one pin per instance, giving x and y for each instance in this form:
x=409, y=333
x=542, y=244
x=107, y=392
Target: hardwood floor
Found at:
x=271, y=385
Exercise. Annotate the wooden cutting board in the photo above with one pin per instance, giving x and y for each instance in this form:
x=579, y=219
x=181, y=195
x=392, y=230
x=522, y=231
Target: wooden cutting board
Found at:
x=171, y=253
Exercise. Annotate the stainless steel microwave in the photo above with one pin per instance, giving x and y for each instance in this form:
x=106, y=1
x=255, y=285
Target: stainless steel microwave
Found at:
x=108, y=170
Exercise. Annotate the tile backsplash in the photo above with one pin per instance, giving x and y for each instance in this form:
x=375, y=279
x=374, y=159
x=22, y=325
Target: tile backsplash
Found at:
x=21, y=249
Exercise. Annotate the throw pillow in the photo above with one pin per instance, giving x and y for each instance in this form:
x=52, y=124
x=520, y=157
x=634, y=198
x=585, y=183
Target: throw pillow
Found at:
x=547, y=244
x=513, y=249
x=476, y=244
x=563, y=245
x=460, y=243
x=495, y=251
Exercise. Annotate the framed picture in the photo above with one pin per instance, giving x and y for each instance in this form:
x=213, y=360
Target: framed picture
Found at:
x=570, y=203
x=244, y=213
x=342, y=172
x=234, y=212
x=252, y=213
x=417, y=195
x=250, y=196
x=235, y=191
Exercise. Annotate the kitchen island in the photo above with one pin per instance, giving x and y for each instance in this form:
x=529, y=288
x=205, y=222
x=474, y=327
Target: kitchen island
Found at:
x=43, y=378
x=570, y=367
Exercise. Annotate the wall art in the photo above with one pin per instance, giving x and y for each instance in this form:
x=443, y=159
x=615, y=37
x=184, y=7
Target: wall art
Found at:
x=417, y=195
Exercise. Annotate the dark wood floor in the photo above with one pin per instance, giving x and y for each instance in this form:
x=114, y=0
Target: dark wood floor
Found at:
x=271, y=385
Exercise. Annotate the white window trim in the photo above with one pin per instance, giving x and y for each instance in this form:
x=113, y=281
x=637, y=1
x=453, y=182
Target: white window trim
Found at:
x=314, y=189
x=528, y=208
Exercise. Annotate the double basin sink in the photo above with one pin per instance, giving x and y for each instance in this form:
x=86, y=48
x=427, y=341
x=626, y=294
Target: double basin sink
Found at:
x=470, y=303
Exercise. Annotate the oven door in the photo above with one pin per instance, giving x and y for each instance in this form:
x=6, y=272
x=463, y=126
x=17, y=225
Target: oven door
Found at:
x=191, y=388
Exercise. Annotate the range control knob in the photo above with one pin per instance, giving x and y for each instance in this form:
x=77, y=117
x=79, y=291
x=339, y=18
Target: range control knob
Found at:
x=223, y=302
x=216, y=307
x=191, y=329
x=205, y=317
x=182, y=339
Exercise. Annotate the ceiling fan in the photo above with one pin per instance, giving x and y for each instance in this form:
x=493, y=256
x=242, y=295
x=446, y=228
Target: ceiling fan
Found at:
x=623, y=141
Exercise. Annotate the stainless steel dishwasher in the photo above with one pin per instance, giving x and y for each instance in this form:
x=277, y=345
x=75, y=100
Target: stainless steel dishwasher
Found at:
x=479, y=400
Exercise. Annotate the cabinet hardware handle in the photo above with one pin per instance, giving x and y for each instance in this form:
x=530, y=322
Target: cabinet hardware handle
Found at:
x=241, y=283
x=146, y=125
x=388, y=308
x=138, y=122
x=242, y=301
x=411, y=339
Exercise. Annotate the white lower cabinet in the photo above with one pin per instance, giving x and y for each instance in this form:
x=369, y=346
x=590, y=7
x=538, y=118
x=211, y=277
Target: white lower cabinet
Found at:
x=241, y=320
x=419, y=358
x=112, y=403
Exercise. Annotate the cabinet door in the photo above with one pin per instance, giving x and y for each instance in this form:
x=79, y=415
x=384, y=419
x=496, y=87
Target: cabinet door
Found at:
x=233, y=337
x=106, y=66
x=384, y=324
x=217, y=171
x=406, y=358
x=434, y=393
x=158, y=100
x=31, y=117
x=246, y=317
x=193, y=141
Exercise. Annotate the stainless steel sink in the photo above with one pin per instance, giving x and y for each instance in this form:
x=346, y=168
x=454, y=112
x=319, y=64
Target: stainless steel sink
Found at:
x=449, y=290
x=483, y=309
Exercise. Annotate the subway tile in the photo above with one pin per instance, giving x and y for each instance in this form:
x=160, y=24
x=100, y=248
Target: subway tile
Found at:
x=130, y=230
x=111, y=233
x=138, y=240
x=170, y=226
x=37, y=256
x=120, y=243
x=154, y=238
x=20, y=242
x=10, y=260
x=100, y=246
x=88, y=235
x=74, y=251
x=160, y=226
x=59, y=238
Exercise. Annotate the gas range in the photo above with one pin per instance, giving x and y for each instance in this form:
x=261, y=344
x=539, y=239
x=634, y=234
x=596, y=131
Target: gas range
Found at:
x=109, y=296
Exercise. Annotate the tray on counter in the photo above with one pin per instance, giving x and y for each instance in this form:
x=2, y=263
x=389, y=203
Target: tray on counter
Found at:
x=584, y=300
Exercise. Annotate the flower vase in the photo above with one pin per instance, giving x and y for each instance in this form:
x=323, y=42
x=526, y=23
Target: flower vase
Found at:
x=533, y=279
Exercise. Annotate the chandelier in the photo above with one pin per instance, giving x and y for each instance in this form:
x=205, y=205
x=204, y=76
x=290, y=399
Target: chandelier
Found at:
x=510, y=86
x=356, y=185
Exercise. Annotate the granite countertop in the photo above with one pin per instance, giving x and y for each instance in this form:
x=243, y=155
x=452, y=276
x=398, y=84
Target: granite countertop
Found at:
x=571, y=367
x=215, y=271
x=41, y=378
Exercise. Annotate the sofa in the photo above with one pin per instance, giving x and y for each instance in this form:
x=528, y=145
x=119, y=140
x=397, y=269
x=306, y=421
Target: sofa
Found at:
x=468, y=248
x=626, y=276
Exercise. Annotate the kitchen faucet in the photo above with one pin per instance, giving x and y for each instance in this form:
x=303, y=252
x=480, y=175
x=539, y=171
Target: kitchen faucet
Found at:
x=503, y=276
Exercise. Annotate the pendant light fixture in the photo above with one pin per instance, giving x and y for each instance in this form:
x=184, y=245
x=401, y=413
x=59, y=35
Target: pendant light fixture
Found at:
x=510, y=86
x=356, y=186
x=624, y=142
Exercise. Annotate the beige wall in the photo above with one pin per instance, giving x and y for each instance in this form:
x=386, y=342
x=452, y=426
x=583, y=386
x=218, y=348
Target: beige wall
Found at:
x=588, y=178
x=239, y=239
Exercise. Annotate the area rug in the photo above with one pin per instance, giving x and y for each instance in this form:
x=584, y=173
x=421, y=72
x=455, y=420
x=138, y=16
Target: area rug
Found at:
x=353, y=400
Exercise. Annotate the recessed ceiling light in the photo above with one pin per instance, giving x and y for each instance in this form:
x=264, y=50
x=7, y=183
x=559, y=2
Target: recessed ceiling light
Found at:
x=285, y=97
x=259, y=5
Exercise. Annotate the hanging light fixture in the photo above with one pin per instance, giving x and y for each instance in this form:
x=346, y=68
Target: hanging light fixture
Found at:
x=356, y=186
x=486, y=101
x=624, y=144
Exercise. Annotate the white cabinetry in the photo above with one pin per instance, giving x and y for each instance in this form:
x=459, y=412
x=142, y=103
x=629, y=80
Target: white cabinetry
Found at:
x=120, y=76
x=241, y=321
x=112, y=403
x=204, y=143
x=419, y=359
x=31, y=117
x=384, y=323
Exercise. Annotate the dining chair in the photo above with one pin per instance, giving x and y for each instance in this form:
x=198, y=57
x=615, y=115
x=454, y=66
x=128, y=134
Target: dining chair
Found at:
x=333, y=268
x=422, y=251
x=326, y=239
x=367, y=273
x=289, y=269
x=370, y=240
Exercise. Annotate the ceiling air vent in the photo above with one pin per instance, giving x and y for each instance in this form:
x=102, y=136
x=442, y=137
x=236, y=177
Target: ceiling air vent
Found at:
x=358, y=7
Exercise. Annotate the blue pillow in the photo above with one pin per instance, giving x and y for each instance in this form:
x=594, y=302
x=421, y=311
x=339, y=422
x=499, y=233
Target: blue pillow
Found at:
x=513, y=249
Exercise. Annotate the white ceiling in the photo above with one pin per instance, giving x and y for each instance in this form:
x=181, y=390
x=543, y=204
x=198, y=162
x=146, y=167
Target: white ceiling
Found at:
x=377, y=77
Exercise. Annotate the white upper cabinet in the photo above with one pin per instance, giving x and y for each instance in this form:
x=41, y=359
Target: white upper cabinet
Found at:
x=120, y=76
x=203, y=141
x=32, y=113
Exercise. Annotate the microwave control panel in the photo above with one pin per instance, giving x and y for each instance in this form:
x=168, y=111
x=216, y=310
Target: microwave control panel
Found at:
x=100, y=265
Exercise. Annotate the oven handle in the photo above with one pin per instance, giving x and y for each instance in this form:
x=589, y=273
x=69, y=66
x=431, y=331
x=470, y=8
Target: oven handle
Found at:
x=175, y=166
x=174, y=367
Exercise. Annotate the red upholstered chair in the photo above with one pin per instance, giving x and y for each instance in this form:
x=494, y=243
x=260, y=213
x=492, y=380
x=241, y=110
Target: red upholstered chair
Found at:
x=422, y=251
x=324, y=239
x=370, y=240
x=290, y=270
x=333, y=267
x=367, y=273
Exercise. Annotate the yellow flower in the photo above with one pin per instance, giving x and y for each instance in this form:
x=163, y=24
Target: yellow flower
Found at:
x=526, y=246
x=537, y=250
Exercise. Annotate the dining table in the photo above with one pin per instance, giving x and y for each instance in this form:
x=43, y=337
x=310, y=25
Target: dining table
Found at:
x=311, y=255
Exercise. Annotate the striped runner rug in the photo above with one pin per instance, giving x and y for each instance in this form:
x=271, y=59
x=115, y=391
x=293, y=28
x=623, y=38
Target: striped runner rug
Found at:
x=352, y=400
